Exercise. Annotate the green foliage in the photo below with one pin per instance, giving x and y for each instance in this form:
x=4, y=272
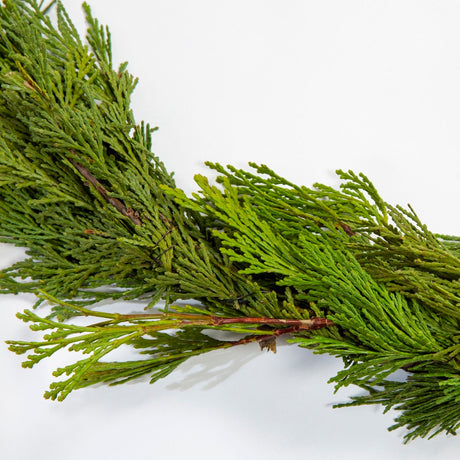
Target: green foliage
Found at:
x=340, y=270
x=63, y=106
x=98, y=340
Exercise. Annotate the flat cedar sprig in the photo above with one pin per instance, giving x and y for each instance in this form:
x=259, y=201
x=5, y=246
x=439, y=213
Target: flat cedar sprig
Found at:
x=142, y=331
x=338, y=270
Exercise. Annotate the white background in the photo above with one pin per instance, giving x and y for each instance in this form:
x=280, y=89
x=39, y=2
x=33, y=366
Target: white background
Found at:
x=306, y=87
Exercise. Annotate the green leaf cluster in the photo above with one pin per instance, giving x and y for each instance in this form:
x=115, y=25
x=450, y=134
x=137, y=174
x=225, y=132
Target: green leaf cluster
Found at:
x=340, y=270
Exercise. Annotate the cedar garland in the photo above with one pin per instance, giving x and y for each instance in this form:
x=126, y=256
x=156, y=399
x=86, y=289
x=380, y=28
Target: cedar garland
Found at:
x=340, y=270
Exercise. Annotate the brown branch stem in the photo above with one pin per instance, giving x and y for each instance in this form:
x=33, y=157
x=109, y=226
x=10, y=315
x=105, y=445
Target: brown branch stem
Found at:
x=115, y=202
x=266, y=338
x=308, y=324
x=193, y=319
x=268, y=341
x=262, y=339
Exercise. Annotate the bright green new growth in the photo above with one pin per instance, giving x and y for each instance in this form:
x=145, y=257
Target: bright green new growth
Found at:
x=341, y=271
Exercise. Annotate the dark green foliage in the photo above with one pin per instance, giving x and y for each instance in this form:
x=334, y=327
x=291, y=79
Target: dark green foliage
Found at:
x=342, y=271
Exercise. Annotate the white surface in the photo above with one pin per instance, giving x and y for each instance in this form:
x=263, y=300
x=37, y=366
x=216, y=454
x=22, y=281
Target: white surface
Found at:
x=306, y=87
